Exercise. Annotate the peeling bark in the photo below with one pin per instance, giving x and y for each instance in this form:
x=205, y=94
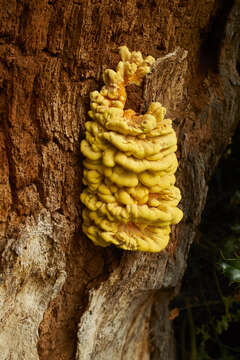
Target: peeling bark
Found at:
x=61, y=297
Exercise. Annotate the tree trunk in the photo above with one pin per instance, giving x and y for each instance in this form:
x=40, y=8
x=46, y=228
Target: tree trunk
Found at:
x=62, y=297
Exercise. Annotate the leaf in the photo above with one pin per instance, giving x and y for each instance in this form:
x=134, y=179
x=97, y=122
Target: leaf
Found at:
x=222, y=324
x=236, y=228
x=235, y=200
x=173, y=313
x=231, y=269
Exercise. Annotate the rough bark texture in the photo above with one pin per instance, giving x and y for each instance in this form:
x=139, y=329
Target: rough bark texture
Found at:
x=61, y=297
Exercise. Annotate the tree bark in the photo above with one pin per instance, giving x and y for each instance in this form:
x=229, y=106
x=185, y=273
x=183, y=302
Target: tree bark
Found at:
x=63, y=298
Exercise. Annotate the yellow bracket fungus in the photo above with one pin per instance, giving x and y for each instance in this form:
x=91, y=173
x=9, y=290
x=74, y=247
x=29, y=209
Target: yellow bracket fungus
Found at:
x=130, y=198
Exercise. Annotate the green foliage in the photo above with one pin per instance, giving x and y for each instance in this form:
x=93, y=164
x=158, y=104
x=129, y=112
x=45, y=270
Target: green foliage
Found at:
x=231, y=269
x=230, y=263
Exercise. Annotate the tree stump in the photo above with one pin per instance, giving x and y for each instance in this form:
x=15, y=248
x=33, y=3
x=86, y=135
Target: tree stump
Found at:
x=63, y=298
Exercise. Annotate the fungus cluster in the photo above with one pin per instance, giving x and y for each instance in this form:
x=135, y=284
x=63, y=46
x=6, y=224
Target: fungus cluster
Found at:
x=130, y=198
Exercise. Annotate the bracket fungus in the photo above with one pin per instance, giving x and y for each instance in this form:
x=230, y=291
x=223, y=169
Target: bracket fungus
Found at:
x=130, y=198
